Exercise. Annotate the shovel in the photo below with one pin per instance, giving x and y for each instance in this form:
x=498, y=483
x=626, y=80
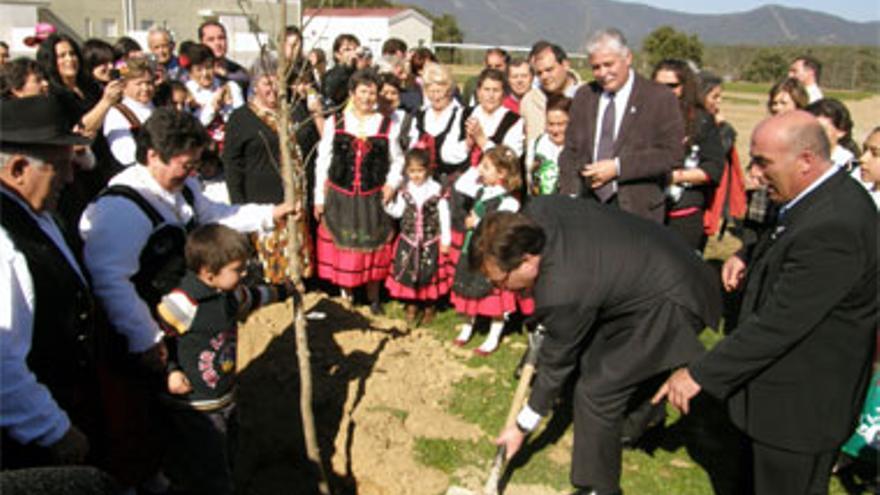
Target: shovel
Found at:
x=522, y=390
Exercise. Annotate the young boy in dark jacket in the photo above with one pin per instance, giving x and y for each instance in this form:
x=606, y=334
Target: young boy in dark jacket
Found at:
x=201, y=317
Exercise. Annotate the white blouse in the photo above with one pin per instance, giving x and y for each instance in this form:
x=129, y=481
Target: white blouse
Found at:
x=434, y=122
x=469, y=184
x=544, y=146
x=115, y=230
x=204, y=96
x=455, y=149
x=117, y=130
x=420, y=194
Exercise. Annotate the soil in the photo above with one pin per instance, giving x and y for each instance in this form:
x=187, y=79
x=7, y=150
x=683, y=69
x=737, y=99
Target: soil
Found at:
x=377, y=387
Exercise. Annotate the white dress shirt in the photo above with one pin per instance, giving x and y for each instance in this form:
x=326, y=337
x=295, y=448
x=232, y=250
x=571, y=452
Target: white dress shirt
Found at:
x=360, y=129
x=420, y=194
x=117, y=130
x=841, y=156
x=813, y=92
x=816, y=183
x=115, y=231
x=621, y=106
x=455, y=148
x=27, y=409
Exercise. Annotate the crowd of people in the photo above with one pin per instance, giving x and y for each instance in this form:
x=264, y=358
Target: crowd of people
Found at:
x=130, y=176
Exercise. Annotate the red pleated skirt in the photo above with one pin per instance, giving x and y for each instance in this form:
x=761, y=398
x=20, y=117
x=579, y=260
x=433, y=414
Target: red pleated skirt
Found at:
x=495, y=305
x=437, y=288
x=351, y=268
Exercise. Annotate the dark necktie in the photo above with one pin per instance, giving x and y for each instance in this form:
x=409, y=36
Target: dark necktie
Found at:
x=605, y=149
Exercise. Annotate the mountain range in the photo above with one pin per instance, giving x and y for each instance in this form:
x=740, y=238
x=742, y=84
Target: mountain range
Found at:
x=569, y=22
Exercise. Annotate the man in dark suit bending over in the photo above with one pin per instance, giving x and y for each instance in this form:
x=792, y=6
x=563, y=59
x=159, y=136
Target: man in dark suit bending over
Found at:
x=622, y=300
x=625, y=135
x=795, y=370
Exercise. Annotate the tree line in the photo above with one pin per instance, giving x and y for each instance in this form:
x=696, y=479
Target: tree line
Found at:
x=843, y=67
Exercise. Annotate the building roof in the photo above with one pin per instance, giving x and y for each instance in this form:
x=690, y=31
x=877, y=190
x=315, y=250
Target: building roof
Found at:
x=342, y=12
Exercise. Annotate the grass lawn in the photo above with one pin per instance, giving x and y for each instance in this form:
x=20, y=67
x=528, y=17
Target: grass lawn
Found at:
x=764, y=88
x=676, y=462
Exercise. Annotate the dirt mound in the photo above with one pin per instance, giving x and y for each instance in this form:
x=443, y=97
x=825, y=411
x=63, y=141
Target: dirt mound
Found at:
x=377, y=388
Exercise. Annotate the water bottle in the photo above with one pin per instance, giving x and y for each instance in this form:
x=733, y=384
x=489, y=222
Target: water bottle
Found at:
x=691, y=161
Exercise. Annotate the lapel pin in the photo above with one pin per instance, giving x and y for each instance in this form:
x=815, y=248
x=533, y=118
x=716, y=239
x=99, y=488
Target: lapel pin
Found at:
x=632, y=109
x=778, y=232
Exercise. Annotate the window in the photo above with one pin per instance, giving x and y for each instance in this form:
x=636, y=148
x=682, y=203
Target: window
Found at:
x=109, y=27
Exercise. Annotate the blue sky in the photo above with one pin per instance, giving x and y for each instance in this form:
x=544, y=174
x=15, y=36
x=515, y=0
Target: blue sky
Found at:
x=854, y=10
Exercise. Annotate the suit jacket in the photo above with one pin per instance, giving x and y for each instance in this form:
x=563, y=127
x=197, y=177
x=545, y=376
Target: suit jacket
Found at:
x=796, y=368
x=622, y=298
x=648, y=145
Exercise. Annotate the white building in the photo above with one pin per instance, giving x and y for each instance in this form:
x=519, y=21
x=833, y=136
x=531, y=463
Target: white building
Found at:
x=109, y=20
x=371, y=26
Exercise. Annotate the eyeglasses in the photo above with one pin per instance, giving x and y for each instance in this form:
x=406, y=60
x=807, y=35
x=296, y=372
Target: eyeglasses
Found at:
x=672, y=85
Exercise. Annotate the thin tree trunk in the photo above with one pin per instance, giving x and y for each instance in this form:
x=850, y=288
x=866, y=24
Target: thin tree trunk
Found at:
x=292, y=173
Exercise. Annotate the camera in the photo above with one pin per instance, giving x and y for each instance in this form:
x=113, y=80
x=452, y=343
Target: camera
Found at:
x=364, y=52
x=114, y=74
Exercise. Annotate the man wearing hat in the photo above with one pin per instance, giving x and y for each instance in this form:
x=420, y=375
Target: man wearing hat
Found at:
x=48, y=389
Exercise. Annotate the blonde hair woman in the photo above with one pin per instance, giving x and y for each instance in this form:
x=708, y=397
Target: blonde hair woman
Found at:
x=435, y=119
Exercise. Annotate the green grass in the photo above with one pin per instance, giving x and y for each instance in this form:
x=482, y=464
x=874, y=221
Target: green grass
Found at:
x=764, y=88
x=737, y=100
x=484, y=400
x=449, y=455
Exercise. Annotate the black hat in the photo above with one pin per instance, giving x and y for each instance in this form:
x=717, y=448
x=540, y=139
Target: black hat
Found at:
x=36, y=120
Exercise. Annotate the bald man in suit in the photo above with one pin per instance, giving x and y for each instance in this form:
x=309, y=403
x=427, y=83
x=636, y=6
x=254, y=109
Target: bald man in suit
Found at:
x=794, y=371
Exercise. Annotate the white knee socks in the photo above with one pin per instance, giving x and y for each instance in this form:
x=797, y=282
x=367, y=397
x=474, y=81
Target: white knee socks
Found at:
x=491, y=342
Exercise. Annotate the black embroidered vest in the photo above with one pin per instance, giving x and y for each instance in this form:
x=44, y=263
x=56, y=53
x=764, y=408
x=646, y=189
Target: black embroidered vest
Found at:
x=439, y=139
x=359, y=164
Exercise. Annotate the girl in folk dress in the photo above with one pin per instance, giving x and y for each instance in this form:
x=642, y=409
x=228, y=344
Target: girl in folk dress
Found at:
x=420, y=274
x=490, y=186
x=477, y=130
x=358, y=168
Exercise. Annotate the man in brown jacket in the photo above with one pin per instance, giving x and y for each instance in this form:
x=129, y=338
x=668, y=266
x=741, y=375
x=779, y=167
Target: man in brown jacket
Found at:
x=625, y=135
